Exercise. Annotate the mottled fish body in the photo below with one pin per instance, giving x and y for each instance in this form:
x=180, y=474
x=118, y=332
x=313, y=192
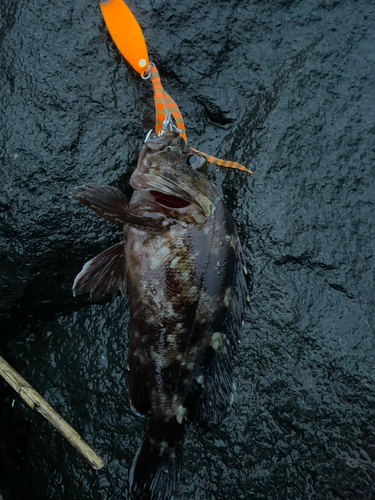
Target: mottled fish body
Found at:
x=182, y=263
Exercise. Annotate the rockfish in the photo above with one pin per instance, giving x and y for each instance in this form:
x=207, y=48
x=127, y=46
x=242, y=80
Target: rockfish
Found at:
x=182, y=264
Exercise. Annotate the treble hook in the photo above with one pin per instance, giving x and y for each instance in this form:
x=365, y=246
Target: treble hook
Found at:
x=168, y=123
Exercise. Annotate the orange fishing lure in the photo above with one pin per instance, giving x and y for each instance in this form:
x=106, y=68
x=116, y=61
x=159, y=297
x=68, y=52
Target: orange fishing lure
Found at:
x=127, y=35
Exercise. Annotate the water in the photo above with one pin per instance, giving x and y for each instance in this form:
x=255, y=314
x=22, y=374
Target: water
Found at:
x=286, y=88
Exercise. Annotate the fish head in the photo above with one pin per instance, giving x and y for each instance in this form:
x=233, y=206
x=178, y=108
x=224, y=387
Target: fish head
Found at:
x=173, y=174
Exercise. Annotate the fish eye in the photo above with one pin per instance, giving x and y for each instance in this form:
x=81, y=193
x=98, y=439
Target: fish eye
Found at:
x=192, y=160
x=197, y=163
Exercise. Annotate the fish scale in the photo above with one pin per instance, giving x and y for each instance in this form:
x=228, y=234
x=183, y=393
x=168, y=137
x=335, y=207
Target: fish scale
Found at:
x=181, y=262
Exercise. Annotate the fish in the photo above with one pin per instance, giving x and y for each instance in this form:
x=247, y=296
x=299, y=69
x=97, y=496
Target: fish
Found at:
x=182, y=264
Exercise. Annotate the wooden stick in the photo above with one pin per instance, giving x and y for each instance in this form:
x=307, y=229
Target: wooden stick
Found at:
x=36, y=402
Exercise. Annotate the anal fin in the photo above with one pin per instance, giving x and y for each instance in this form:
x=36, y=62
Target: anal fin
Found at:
x=140, y=378
x=105, y=273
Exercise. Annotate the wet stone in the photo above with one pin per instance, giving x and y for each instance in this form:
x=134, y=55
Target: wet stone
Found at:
x=285, y=88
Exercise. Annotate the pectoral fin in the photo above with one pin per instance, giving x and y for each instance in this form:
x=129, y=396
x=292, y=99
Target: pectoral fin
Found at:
x=107, y=201
x=110, y=203
x=105, y=273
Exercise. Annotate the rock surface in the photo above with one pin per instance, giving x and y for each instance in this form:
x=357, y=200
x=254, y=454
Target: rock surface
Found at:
x=287, y=88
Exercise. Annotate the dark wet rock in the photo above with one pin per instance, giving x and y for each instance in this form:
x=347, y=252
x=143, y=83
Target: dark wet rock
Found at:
x=287, y=88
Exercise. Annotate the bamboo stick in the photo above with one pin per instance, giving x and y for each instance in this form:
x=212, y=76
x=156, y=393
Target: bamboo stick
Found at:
x=38, y=403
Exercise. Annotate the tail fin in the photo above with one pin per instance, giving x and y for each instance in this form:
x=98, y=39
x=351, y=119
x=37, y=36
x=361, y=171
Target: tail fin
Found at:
x=157, y=465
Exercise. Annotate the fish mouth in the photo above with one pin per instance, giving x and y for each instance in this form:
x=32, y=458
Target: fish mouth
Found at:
x=153, y=145
x=164, y=191
x=180, y=191
x=168, y=200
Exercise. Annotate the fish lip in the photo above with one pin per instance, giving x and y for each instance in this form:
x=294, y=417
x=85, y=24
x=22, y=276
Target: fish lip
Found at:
x=137, y=179
x=142, y=155
x=146, y=149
